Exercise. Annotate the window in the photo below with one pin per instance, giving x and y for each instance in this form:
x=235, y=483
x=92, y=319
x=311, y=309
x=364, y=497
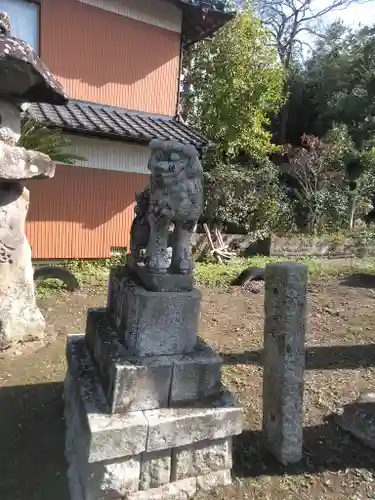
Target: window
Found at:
x=24, y=16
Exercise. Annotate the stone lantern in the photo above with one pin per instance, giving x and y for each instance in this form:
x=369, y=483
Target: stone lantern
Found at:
x=23, y=78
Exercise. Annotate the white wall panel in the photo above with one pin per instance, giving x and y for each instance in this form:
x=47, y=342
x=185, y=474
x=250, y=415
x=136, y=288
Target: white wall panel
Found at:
x=110, y=155
x=155, y=12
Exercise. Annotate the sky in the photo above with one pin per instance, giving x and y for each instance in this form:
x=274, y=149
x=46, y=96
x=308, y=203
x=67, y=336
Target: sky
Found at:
x=355, y=14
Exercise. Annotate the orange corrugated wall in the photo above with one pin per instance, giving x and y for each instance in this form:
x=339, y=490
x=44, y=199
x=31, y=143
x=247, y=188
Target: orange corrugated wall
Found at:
x=106, y=58
x=81, y=213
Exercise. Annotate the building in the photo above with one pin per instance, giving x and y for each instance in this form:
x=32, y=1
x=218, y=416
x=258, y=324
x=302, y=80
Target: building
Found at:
x=120, y=63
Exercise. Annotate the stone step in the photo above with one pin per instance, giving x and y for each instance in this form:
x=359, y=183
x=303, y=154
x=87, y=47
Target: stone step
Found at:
x=152, y=323
x=133, y=383
x=102, y=436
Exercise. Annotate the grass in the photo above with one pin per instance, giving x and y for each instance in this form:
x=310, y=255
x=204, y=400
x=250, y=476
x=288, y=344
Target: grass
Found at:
x=221, y=275
x=49, y=287
x=211, y=274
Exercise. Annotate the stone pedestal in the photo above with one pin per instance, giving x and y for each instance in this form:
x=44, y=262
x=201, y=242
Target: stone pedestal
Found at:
x=146, y=415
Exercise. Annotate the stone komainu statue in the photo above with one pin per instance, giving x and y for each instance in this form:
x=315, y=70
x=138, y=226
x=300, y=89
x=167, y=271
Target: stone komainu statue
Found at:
x=174, y=196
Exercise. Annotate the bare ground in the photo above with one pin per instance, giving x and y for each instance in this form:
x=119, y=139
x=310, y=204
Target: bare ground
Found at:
x=340, y=364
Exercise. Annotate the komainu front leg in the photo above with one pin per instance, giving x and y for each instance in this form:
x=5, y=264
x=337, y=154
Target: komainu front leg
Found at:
x=157, y=249
x=182, y=262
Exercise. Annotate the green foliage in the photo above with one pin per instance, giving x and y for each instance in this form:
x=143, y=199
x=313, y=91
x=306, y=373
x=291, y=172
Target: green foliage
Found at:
x=246, y=197
x=36, y=137
x=316, y=184
x=332, y=182
x=235, y=84
x=337, y=92
x=232, y=85
x=359, y=171
x=49, y=287
x=337, y=86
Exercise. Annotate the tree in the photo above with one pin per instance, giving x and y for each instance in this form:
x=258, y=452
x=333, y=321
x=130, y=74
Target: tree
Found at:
x=233, y=83
x=330, y=182
x=315, y=182
x=289, y=21
x=312, y=84
x=51, y=142
x=338, y=86
x=359, y=168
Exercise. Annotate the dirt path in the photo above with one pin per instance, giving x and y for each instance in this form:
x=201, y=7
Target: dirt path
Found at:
x=340, y=361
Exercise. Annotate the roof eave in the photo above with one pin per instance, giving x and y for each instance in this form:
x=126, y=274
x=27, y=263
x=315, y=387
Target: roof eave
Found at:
x=117, y=124
x=203, y=147
x=197, y=28
x=199, y=24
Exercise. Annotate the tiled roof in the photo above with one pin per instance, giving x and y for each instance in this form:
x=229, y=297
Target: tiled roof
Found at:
x=116, y=123
x=201, y=20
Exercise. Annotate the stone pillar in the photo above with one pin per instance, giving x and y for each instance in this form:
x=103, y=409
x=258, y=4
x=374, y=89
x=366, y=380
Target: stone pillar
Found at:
x=284, y=359
x=24, y=79
x=20, y=318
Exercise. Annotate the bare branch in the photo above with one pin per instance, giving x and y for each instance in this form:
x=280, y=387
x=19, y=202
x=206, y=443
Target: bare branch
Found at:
x=302, y=45
x=289, y=19
x=335, y=5
x=311, y=32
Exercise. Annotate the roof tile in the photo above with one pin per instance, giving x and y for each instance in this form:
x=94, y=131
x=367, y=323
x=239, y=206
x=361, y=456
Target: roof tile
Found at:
x=88, y=118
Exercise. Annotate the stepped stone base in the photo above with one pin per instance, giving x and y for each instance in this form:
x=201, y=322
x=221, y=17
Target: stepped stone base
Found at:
x=163, y=453
x=147, y=418
x=146, y=383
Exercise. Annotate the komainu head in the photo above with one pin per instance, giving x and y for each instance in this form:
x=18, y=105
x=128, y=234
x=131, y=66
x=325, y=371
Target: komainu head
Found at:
x=173, y=160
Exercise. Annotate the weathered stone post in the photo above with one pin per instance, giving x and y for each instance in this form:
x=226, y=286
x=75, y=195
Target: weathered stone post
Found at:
x=147, y=417
x=24, y=78
x=284, y=359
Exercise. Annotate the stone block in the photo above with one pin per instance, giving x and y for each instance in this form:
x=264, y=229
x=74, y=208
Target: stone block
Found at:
x=164, y=282
x=155, y=469
x=201, y=459
x=77, y=435
x=76, y=491
x=180, y=490
x=214, y=480
x=284, y=359
x=153, y=323
x=169, y=428
x=111, y=479
x=196, y=376
x=358, y=418
x=130, y=383
x=101, y=436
